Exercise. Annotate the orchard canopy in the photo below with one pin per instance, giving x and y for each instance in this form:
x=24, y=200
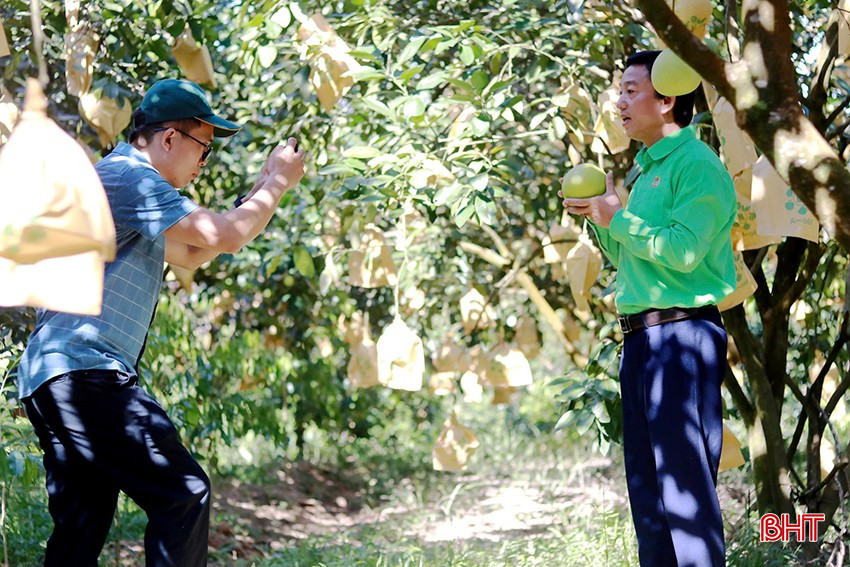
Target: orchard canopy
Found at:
x=427, y=246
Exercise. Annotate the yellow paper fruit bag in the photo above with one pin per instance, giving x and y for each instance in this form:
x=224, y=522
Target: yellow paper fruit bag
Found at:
x=745, y=284
x=401, y=358
x=371, y=263
x=526, y=336
x=8, y=117
x=454, y=447
x=475, y=311
x=609, y=126
x=779, y=211
x=739, y=152
x=331, y=63
x=4, y=43
x=81, y=43
x=363, y=364
x=56, y=235
x=583, y=264
x=106, y=115
x=730, y=454
x=507, y=366
x=193, y=59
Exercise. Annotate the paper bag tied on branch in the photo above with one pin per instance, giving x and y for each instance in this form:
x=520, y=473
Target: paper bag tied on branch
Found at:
x=583, y=264
x=81, y=43
x=475, y=311
x=401, y=358
x=745, y=231
x=504, y=366
x=331, y=63
x=449, y=361
x=502, y=395
x=745, y=285
x=371, y=263
x=560, y=240
x=739, y=152
x=844, y=27
x=526, y=336
x=108, y=117
x=779, y=211
x=193, y=59
x=609, y=126
x=4, y=43
x=63, y=213
x=8, y=117
x=363, y=364
x=730, y=453
x=473, y=391
x=455, y=446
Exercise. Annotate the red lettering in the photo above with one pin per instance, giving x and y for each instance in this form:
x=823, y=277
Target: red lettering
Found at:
x=776, y=528
x=770, y=528
x=797, y=528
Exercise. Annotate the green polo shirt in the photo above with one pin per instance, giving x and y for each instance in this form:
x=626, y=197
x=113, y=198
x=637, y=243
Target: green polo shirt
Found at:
x=671, y=244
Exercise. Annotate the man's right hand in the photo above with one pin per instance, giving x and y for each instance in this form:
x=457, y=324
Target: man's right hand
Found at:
x=286, y=164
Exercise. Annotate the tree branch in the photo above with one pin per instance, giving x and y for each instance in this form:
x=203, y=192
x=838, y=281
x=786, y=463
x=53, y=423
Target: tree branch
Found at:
x=739, y=397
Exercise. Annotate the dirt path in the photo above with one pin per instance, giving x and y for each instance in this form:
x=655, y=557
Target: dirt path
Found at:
x=305, y=501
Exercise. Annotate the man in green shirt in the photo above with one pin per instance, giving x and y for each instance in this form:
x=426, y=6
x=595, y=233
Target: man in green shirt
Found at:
x=672, y=250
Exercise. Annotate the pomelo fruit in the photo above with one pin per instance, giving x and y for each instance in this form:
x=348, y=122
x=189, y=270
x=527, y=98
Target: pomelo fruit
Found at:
x=583, y=181
x=673, y=77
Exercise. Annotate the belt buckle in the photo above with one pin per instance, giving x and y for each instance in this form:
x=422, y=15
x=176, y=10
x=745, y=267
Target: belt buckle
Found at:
x=624, y=325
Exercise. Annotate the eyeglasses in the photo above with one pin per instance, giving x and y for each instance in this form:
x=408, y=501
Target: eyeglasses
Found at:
x=207, y=147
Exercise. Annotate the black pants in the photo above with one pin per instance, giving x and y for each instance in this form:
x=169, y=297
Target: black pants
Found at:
x=670, y=379
x=101, y=434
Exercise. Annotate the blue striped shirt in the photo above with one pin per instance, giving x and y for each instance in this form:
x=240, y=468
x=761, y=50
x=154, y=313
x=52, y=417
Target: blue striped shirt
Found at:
x=143, y=205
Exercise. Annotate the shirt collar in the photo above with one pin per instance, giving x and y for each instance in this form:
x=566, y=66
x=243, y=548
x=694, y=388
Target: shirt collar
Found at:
x=128, y=150
x=665, y=146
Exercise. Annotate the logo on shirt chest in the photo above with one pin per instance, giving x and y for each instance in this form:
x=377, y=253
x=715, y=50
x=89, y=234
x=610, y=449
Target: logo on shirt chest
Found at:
x=655, y=182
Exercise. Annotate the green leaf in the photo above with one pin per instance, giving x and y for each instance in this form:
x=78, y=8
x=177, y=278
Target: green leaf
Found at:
x=480, y=181
x=410, y=73
x=367, y=74
x=480, y=126
x=448, y=194
x=486, y=210
x=538, y=119
x=361, y=152
x=432, y=80
x=560, y=127
x=467, y=55
x=444, y=45
x=480, y=80
x=282, y=17
x=463, y=215
x=337, y=169
x=304, y=261
x=411, y=49
x=565, y=420
x=374, y=104
x=266, y=54
x=414, y=106
x=461, y=84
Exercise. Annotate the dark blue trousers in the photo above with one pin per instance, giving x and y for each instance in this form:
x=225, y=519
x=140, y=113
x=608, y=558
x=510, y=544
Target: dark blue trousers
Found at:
x=670, y=377
x=101, y=434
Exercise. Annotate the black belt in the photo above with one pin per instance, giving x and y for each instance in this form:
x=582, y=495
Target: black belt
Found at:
x=653, y=317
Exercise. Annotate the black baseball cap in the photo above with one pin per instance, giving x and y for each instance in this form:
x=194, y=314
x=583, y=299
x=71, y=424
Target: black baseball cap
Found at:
x=178, y=99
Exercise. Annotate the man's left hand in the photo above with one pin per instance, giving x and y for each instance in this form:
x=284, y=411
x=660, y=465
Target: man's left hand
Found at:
x=600, y=210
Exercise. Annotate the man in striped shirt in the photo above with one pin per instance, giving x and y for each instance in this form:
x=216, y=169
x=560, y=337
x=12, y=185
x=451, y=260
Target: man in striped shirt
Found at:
x=78, y=379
